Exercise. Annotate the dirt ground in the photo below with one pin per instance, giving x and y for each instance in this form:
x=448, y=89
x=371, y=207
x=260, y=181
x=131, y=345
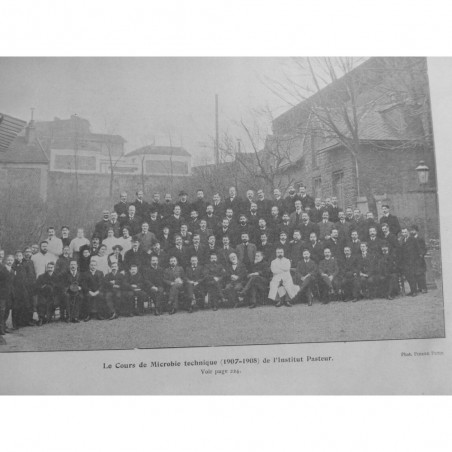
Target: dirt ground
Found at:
x=402, y=318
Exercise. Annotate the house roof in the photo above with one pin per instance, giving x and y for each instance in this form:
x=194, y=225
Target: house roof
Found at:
x=160, y=150
x=21, y=152
x=9, y=128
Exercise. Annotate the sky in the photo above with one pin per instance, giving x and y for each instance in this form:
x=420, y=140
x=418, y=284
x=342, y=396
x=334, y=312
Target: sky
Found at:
x=146, y=100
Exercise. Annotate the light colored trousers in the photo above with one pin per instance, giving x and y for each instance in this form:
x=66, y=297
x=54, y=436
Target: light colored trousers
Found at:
x=287, y=284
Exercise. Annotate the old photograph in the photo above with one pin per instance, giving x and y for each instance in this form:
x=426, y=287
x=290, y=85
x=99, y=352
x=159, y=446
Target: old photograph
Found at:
x=160, y=203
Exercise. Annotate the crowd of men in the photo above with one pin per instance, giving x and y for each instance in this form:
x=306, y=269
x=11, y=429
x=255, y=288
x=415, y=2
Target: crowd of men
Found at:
x=229, y=252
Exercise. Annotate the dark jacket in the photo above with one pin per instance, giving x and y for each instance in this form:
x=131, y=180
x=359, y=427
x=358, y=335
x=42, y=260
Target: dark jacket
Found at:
x=239, y=271
x=92, y=282
x=138, y=257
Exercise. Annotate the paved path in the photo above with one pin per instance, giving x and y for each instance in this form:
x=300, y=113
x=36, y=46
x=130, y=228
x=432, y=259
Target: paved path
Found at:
x=402, y=318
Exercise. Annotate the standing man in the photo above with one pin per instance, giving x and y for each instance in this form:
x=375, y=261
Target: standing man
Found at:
x=185, y=206
x=54, y=244
x=246, y=251
x=146, y=238
x=141, y=206
x=391, y=220
x=122, y=207
x=101, y=227
x=233, y=201
x=325, y=226
x=421, y=275
x=200, y=204
x=6, y=292
x=305, y=199
x=41, y=259
x=77, y=242
x=132, y=221
x=65, y=236
x=156, y=205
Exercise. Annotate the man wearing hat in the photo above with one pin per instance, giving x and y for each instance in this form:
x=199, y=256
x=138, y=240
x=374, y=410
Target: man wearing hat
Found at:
x=184, y=205
x=391, y=220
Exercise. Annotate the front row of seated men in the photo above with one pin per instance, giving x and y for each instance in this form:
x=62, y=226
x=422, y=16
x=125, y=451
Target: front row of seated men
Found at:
x=92, y=294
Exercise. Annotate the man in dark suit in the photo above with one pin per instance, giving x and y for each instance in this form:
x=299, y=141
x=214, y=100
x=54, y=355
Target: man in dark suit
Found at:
x=388, y=272
x=307, y=226
x=225, y=230
x=200, y=204
x=212, y=220
x=175, y=220
x=6, y=291
x=194, y=287
x=122, y=207
x=198, y=250
x=225, y=251
x=135, y=256
x=343, y=226
x=374, y=243
x=371, y=223
x=233, y=201
x=335, y=244
x=421, y=275
x=218, y=207
x=243, y=227
x=180, y=251
x=305, y=199
x=116, y=293
x=141, y=206
x=315, y=248
x=246, y=251
x=258, y=278
x=409, y=259
x=391, y=220
x=265, y=247
x=135, y=290
x=46, y=289
x=203, y=231
x=315, y=214
x=146, y=238
x=101, y=228
x=156, y=205
x=368, y=271
x=296, y=217
x=155, y=223
x=174, y=277
x=359, y=225
x=348, y=275
x=306, y=275
x=278, y=201
x=154, y=276
x=92, y=285
x=390, y=239
x=333, y=209
x=289, y=200
x=263, y=205
x=296, y=249
x=71, y=283
x=185, y=206
x=167, y=206
x=328, y=271
x=325, y=226
x=214, y=274
x=235, y=279
x=193, y=223
x=354, y=243
x=132, y=221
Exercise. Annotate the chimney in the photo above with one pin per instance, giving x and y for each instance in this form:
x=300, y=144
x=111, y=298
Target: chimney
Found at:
x=30, y=130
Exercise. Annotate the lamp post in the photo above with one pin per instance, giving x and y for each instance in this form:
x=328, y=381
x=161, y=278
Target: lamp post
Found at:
x=423, y=172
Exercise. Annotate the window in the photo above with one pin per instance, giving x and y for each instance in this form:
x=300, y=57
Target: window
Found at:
x=317, y=184
x=338, y=187
x=67, y=162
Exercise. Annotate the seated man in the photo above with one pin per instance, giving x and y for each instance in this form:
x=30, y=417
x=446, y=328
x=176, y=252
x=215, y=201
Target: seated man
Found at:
x=235, y=279
x=194, y=282
x=92, y=284
x=136, y=290
x=155, y=283
x=368, y=277
x=348, y=275
x=388, y=272
x=46, y=289
x=281, y=282
x=306, y=274
x=214, y=273
x=71, y=283
x=174, y=277
x=258, y=279
x=328, y=270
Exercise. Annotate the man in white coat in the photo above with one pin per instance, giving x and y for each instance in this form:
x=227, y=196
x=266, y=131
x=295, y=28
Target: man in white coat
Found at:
x=282, y=281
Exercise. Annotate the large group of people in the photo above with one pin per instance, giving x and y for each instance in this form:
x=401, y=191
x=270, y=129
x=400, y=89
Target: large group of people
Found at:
x=164, y=256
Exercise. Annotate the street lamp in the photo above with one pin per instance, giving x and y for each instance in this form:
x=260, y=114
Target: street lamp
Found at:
x=422, y=173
